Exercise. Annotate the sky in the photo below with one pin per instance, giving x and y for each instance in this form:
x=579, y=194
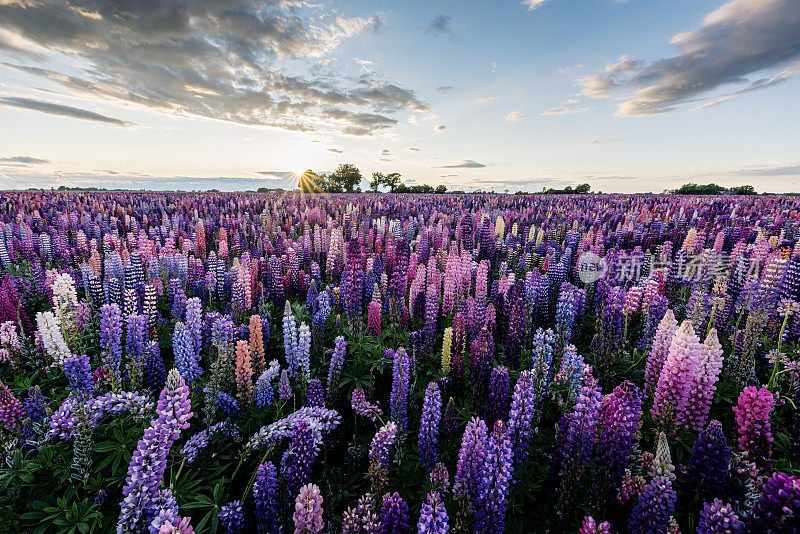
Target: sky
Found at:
x=503, y=95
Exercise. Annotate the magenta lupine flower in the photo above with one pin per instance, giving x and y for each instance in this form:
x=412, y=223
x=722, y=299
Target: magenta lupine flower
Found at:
x=394, y=515
x=495, y=483
x=374, y=318
x=752, y=424
x=591, y=526
x=433, y=517
x=658, y=353
x=778, y=509
x=704, y=380
x=149, y=460
x=717, y=517
x=429, y=425
x=308, y=510
x=11, y=411
x=363, y=407
x=676, y=376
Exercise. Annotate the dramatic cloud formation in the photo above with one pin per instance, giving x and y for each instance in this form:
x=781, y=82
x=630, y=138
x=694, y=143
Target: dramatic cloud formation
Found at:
x=440, y=25
x=239, y=60
x=515, y=116
x=740, y=38
x=466, y=164
x=59, y=109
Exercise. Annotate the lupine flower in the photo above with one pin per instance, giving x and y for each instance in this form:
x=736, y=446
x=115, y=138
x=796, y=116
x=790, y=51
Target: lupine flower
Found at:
x=231, y=516
x=662, y=467
x=229, y=405
x=752, y=424
x=257, y=345
x=778, y=509
x=316, y=393
x=495, y=483
x=654, y=509
x=265, y=497
x=707, y=473
x=299, y=459
x=499, y=390
x=590, y=526
x=308, y=510
x=717, y=517
x=361, y=518
x=429, y=425
x=11, y=412
x=244, y=372
x=200, y=441
x=284, y=387
x=440, y=477
x=363, y=407
x=471, y=457
x=394, y=515
x=675, y=381
x=658, y=353
x=79, y=373
x=398, y=402
x=703, y=384
x=335, y=369
x=149, y=460
x=619, y=417
x=433, y=516
x=264, y=390
x=520, y=418
x=185, y=361
x=35, y=403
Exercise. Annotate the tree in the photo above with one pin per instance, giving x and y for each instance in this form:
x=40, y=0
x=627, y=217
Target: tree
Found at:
x=392, y=180
x=441, y=189
x=345, y=179
x=583, y=189
x=310, y=182
x=378, y=178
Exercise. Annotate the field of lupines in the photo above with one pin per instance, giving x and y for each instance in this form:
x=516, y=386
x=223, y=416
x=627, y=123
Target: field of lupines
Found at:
x=397, y=363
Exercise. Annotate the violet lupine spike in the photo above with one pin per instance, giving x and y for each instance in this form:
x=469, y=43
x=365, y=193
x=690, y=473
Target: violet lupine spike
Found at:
x=429, y=426
x=149, y=460
x=394, y=515
x=499, y=391
x=321, y=421
x=496, y=477
x=381, y=444
x=398, y=402
x=433, y=517
x=707, y=474
x=591, y=526
x=265, y=498
x=11, y=411
x=778, y=509
x=521, y=416
x=471, y=458
x=300, y=457
x=619, y=417
x=335, y=369
x=363, y=407
x=716, y=517
x=653, y=511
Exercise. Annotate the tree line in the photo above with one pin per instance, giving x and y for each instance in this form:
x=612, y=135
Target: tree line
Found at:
x=347, y=179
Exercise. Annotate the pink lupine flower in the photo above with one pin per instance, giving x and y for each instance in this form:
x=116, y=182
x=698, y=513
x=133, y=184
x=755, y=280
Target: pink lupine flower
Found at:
x=676, y=376
x=661, y=343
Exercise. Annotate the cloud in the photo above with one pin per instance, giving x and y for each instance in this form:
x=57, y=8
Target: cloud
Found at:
x=592, y=141
x=448, y=175
x=440, y=25
x=440, y=128
x=533, y=4
x=484, y=99
x=238, y=61
x=563, y=110
x=624, y=66
x=515, y=116
x=413, y=149
x=25, y=160
x=565, y=70
x=62, y=110
x=445, y=88
x=755, y=86
x=385, y=152
x=735, y=41
x=335, y=150
x=771, y=170
x=466, y=164
x=386, y=159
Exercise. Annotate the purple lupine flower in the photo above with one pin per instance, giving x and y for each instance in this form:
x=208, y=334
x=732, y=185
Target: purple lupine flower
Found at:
x=591, y=526
x=481, y=357
x=361, y=518
x=516, y=331
x=265, y=497
x=149, y=460
x=429, y=425
x=316, y=393
x=778, y=509
x=440, y=477
x=194, y=322
x=36, y=404
x=707, y=473
x=284, y=386
x=619, y=417
x=229, y=405
x=394, y=515
x=499, y=391
x=363, y=407
x=401, y=377
x=185, y=361
x=496, y=478
x=471, y=456
x=154, y=373
x=79, y=373
x=11, y=411
x=308, y=510
x=449, y=421
x=382, y=443
x=433, y=517
x=576, y=439
x=656, y=505
x=335, y=369
x=201, y=440
x=231, y=516
x=111, y=341
x=520, y=418
x=298, y=461
x=717, y=517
